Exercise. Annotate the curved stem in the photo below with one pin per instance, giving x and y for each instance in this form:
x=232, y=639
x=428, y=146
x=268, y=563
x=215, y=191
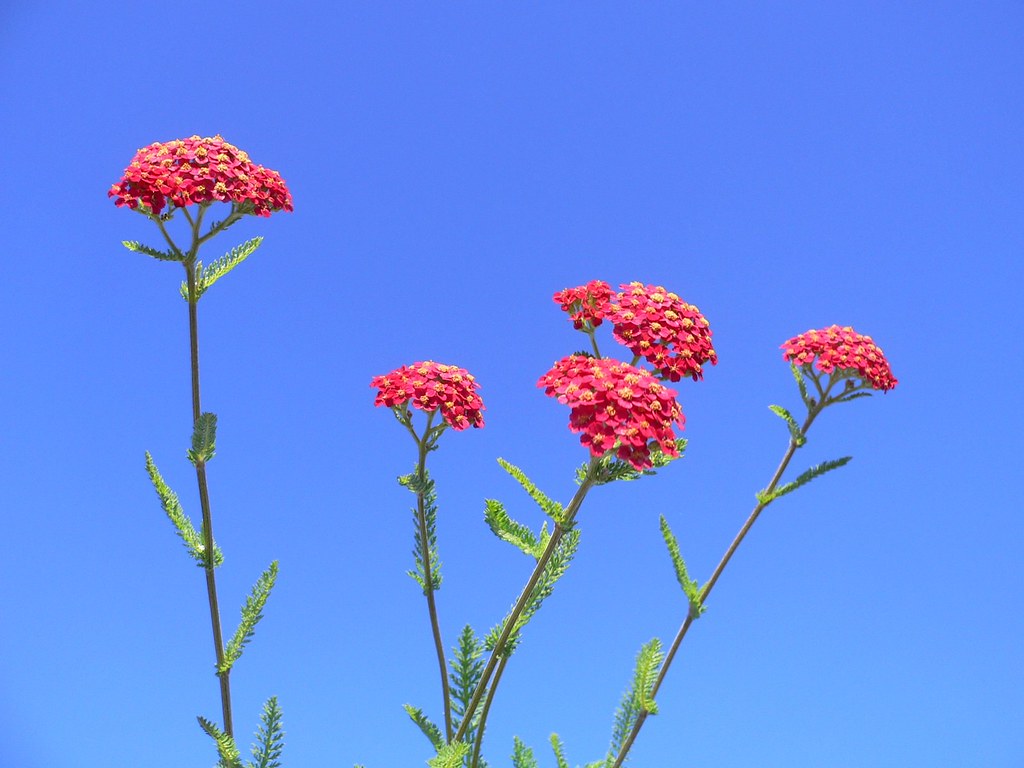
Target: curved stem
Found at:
x=428, y=580
x=706, y=589
x=524, y=597
x=204, y=497
x=475, y=762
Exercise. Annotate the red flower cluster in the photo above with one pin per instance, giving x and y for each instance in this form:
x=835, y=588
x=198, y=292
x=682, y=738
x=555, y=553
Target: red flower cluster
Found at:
x=662, y=328
x=431, y=386
x=586, y=304
x=841, y=349
x=199, y=170
x=616, y=406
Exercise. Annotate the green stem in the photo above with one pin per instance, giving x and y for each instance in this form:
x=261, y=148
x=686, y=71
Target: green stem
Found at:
x=706, y=589
x=204, y=496
x=428, y=589
x=475, y=762
x=524, y=597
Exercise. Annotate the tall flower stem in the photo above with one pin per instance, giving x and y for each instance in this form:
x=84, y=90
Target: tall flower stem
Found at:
x=486, y=711
x=428, y=579
x=204, y=491
x=524, y=597
x=813, y=410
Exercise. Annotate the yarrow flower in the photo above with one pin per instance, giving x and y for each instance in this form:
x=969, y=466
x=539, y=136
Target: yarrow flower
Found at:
x=663, y=329
x=585, y=304
x=842, y=349
x=431, y=386
x=616, y=406
x=199, y=170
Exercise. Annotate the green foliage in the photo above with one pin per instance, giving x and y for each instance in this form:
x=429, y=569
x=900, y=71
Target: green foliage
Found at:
x=215, y=270
x=135, y=245
x=204, y=439
x=192, y=539
x=467, y=669
x=799, y=376
x=795, y=433
x=766, y=498
x=269, y=737
x=638, y=698
x=848, y=398
x=517, y=534
x=690, y=587
x=551, y=508
x=227, y=750
x=252, y=612
x=555, y=568
x=431, y=731
x=609, y=469
x=522, y=755
x=559, y=750
x=423, y=487
x=450, y=756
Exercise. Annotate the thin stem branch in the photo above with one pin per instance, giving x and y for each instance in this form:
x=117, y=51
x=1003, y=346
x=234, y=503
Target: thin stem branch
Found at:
x=475, y=762
x=812, y=413
x=428, y=581
x=204, y=496
x=524, y=597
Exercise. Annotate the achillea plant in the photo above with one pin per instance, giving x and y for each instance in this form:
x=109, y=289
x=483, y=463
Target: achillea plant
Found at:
x=627, y=420
x=188, y=176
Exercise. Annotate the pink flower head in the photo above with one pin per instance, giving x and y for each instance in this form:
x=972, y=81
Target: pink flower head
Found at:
x=616, y=406
x=586, y=304
x=432, y=386
x=662, y=328
x=842, y=349
x=196, y=171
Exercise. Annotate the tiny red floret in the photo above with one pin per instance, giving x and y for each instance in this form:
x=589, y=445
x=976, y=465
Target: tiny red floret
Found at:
x=615, y=406
x=431, y=386
x=843, y=349
x=586, y=304
x=663, y=329
x=199, y=170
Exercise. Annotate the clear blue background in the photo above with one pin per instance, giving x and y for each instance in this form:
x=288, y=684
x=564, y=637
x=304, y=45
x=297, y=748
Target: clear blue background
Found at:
x=782, y=166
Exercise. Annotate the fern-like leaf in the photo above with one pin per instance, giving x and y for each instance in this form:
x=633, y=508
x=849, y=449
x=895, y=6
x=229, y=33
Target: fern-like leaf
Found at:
x=550, y=508
x=137, y=247
x=227, y=750
x=559, y=750
x=431, y=731
x=522, y=755
x=204, y=439
x=507, y=529
x=269, y=737
x=450, y=756
x=816, y=471
x=252, y=612
x=467, y=668
x=638, y=698
x=799, y=376
x=795, y=433
x=192, y=539
x=690, y=587
x=610, y=469
x=424, y=486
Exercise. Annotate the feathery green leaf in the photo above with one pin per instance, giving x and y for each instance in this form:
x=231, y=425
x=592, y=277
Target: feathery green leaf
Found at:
x=269, y=737
x=467, y=668
x=638, y=698
x=559, y=750
x=799, y=376
x=230, y=757
x=424, y=486
x=517, y=534
x=252, y=612
x=522, y=755
x=806, y=477
x=204, y=439
x=551, y=508
x=192, y=539
x=795, y=433
x=690, y=587
x=431, y=731
x=135, y=245
x=450, y=756
x=610, y=469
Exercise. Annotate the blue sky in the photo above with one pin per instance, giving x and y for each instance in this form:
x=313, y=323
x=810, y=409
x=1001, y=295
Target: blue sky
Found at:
x=781, y=166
